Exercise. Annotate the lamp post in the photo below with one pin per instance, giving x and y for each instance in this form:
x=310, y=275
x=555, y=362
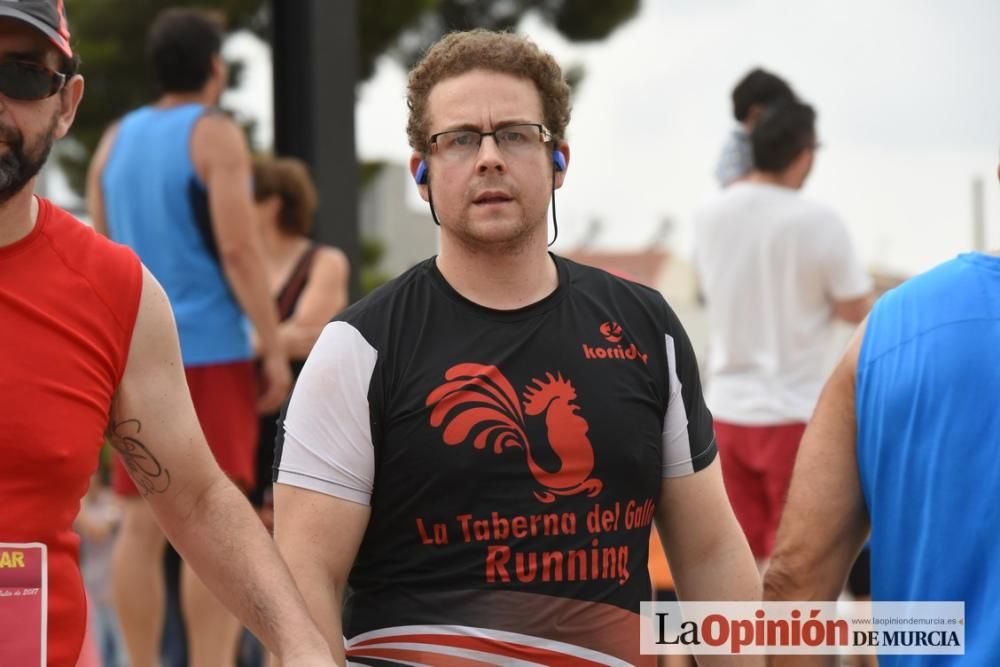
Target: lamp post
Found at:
x=315, y=54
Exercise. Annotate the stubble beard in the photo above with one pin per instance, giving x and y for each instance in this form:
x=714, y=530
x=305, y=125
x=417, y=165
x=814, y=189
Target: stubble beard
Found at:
x=19, y=164
x=480, y=236
x=516, y=241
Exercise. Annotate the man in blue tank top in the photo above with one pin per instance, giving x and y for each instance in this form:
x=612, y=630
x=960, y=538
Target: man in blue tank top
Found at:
x=172, y=181
x=902, y=445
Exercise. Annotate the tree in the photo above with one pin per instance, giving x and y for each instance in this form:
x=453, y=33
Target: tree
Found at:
x=577, y=21
x=110, y=37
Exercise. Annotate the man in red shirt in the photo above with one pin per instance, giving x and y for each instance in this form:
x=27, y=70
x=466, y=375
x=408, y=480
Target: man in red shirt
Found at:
x=88, y=343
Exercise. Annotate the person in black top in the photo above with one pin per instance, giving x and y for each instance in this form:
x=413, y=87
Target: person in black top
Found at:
x=480, y=447
x=308, y=281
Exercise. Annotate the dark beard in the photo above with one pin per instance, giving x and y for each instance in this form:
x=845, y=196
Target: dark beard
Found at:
x=18, y=165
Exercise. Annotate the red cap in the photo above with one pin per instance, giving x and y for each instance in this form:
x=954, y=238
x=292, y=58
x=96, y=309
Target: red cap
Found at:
x=46, y=16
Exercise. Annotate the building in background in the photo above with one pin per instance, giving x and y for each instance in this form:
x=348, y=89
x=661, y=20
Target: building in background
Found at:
x=407, y=235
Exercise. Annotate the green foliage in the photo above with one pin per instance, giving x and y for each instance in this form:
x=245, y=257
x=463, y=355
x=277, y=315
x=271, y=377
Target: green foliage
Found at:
x=368, y=172
x=598, y=21
x=371, y=276
x=381, y=22
x=576, y=20
x=372, y=251
x=110, y=37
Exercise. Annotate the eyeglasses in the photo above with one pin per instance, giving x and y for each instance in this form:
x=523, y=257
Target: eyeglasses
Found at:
x=514, y=140
x=29, y=81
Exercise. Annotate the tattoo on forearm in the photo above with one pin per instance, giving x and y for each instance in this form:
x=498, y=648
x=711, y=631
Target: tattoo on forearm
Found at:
x=142, y=466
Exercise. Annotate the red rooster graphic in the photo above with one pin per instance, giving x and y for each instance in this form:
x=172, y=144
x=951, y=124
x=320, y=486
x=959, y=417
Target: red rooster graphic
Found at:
x=478, y=401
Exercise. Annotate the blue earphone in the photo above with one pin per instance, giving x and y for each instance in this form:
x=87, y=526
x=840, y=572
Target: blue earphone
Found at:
x=558, y=159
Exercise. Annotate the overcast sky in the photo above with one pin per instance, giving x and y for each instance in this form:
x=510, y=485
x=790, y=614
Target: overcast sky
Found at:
x=908, y=95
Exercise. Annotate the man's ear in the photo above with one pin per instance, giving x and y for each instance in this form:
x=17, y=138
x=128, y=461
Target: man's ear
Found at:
x=69, y=99
x=418, y=169
x=561, y=174
x=220, y=69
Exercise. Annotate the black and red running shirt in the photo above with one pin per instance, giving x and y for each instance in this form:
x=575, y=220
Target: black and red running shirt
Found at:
x=512, y=461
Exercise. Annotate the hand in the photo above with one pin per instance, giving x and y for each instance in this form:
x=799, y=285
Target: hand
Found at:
x=102, y=529
x=276, y=380
x=93, y=528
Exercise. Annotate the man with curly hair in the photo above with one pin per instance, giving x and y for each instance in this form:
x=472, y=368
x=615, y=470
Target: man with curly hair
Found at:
x=477, y=450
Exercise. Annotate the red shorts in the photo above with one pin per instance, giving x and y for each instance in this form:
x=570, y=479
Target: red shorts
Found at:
x=225, y=400
x=757, y=464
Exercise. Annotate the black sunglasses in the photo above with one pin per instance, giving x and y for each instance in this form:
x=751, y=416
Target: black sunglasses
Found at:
x=29, y=81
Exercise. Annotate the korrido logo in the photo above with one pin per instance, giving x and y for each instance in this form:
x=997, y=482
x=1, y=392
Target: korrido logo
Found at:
x=613, y=333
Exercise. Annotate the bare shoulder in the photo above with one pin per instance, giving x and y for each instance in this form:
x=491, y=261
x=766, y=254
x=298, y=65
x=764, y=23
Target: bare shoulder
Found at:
x=110, y=132
x=330, y=260
x=105, y=144
x=154, y=323
x=218, y=139
x=849, y=362
x=326, y=291
x=216, y=125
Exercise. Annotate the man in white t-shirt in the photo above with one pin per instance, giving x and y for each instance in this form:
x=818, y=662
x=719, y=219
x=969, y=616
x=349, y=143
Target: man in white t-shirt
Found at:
x=776, y=270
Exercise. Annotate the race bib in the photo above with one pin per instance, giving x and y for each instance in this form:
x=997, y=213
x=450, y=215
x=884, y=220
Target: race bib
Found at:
x=23, y=603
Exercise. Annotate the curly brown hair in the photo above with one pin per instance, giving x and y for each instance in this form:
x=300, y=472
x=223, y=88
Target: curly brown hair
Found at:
x=289, y=179
x=460, y=52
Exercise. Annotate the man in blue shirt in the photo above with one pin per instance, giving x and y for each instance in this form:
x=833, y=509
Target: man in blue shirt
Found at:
x=172, y=181
x=903, y=444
